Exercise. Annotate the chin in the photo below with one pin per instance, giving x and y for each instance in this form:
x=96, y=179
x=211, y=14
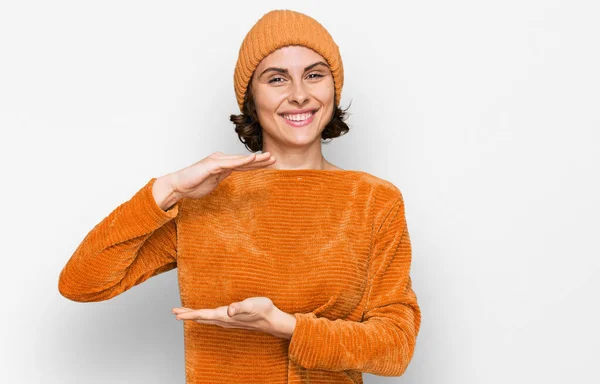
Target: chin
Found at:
x=304, y=139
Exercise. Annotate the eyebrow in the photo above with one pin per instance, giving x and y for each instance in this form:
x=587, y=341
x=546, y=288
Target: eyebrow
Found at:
x=285, y=71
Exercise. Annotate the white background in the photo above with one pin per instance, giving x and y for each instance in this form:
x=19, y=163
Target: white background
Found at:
x=484, y=113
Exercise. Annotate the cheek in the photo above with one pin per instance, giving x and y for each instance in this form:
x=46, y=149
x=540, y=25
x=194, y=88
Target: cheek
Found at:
x=266, y=106
x=267, y=102
x=325, y=94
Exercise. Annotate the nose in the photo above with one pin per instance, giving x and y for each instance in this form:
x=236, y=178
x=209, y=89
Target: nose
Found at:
x=298, y=93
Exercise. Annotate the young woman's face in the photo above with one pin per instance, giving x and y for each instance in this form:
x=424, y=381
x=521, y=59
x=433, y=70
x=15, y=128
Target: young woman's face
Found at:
x=290, y=80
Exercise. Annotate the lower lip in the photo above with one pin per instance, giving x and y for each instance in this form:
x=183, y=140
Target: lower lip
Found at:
x=300, y=123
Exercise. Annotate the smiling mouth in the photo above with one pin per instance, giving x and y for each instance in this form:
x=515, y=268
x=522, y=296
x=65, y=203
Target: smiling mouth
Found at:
x=299, y=117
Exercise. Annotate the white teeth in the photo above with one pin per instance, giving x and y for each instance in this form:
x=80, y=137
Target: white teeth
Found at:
x=298, y=117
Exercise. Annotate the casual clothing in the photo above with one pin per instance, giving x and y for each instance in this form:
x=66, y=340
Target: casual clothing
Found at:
x=330, y=247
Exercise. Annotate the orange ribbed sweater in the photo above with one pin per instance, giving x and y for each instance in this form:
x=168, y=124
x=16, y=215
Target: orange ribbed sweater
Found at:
x=330, y=247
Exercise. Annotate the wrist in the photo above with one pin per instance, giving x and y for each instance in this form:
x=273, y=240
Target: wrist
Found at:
x=164, y=193
x=283, y=324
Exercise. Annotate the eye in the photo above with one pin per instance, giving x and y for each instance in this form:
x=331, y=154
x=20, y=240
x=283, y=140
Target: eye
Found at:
x=276, y=79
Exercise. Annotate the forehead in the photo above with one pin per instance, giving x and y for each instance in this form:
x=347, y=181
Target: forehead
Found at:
x=289, y=57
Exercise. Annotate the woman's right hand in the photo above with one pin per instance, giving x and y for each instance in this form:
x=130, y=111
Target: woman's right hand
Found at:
x=201, y=178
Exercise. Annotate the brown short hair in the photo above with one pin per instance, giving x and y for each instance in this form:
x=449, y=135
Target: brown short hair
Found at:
x=249, y=129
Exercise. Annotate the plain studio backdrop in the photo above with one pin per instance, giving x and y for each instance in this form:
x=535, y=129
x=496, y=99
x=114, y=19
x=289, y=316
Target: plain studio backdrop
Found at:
x=483, y=113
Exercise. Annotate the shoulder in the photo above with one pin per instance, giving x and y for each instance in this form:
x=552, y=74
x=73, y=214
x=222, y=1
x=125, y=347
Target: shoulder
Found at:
x=386, y=202
x=384, y=191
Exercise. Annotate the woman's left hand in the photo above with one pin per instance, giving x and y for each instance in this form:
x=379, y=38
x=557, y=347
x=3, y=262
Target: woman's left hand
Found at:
x=254, y=313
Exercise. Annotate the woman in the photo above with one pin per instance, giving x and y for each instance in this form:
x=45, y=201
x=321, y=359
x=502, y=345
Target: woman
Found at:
x=291, y=270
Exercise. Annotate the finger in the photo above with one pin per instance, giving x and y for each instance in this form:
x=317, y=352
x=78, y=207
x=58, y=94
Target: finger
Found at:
x=245, y=169
x=253, y=157
x=199, y=314
x=258, y=156
x=239, y=308
x=233, y=163
x=181, y=309
x=267, y=159
x=256, y=164
x=234, y=310
x=189, y=315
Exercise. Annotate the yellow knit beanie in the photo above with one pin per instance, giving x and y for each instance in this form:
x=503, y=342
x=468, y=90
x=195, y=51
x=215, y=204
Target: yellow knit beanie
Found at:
x=279, y=28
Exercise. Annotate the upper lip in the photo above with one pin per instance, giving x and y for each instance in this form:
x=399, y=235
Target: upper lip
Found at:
x=296, y=111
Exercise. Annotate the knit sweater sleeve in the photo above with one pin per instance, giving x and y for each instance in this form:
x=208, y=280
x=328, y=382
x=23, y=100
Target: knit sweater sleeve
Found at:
x=383, y=342
x=136, y=241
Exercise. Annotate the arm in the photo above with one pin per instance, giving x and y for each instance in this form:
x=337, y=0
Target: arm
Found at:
x=383, y=343
x=134, y=242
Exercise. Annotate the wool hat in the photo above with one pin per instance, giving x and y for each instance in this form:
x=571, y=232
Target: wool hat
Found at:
x=279, y=28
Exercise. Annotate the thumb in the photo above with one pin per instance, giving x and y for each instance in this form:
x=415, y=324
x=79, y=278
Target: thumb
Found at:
x=235, y=309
